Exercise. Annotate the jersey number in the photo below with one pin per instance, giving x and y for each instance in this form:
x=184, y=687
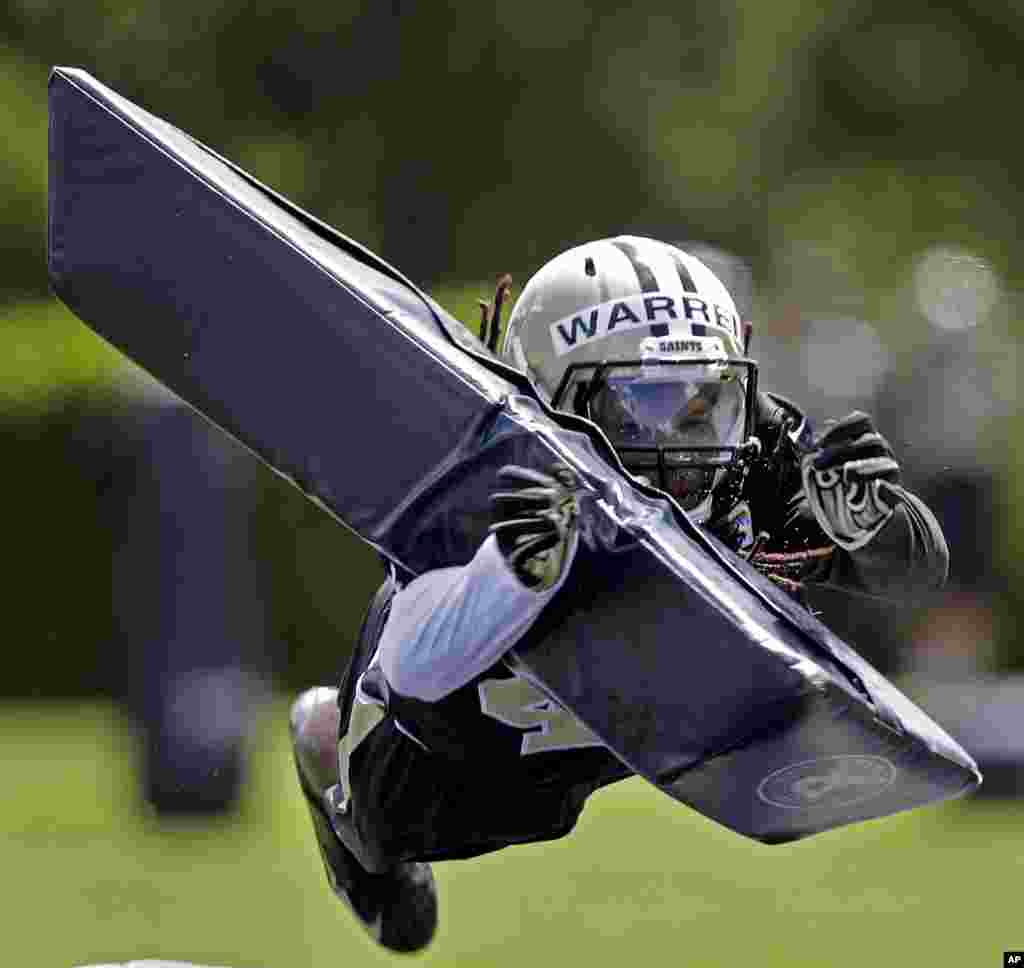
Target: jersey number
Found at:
x=515, y=702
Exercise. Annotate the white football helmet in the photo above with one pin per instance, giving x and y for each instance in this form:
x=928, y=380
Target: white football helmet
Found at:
x=643, y=339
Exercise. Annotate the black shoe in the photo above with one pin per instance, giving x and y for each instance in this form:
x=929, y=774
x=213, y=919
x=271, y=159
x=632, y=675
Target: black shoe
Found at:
x=397, y=907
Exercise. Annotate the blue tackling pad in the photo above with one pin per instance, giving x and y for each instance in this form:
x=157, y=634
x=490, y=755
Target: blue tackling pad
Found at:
x=696, y=672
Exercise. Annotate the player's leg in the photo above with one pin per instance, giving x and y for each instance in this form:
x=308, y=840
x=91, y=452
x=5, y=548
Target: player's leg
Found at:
x=397, y=906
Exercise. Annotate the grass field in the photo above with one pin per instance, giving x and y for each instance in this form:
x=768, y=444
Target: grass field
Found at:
x=91, y=877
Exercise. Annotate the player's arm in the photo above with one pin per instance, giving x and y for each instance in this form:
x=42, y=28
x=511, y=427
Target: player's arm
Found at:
x=887, y=540
x=448, y=626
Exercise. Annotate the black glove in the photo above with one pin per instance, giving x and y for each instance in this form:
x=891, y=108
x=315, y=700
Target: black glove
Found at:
x=534, y=520
x=848, y=480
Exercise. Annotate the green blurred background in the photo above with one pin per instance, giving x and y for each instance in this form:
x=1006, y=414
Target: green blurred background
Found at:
x=860, y=156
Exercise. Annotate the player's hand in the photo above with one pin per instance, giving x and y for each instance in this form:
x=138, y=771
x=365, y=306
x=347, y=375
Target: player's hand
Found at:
x=534, y=515
x=848, y=480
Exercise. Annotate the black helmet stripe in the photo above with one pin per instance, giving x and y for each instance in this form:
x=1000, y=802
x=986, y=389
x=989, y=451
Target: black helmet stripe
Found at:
x=684, y=274
x=644, y=273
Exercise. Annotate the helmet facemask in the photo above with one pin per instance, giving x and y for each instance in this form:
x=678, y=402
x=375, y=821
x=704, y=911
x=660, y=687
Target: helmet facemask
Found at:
x=681, y=424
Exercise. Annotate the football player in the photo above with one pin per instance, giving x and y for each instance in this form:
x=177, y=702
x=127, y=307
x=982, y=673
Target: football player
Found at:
x=433, y=749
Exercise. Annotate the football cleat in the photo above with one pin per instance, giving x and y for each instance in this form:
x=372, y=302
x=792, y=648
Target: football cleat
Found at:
x=398, y=907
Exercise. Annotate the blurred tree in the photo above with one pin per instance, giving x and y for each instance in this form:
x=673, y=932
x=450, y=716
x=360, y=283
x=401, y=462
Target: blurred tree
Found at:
x=463, y=138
